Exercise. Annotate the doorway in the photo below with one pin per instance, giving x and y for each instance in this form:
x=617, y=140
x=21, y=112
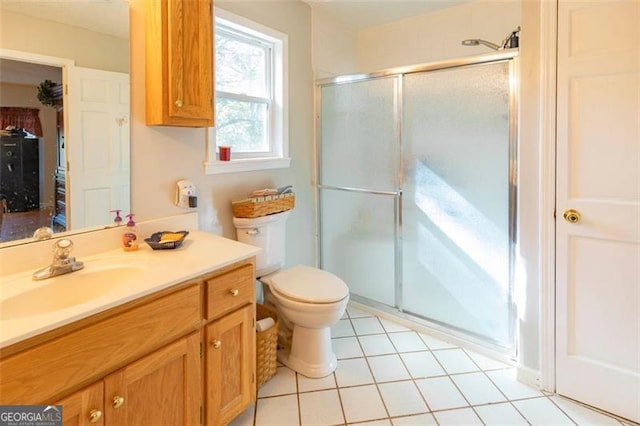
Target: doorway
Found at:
x=32, y=135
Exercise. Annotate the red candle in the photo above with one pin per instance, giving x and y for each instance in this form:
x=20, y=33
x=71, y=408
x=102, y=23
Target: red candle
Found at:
x=224, y=153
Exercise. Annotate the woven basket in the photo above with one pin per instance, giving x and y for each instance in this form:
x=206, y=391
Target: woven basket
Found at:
x=266, y=347
x=263, y=206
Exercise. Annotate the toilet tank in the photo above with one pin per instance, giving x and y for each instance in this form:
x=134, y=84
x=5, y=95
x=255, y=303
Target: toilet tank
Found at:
x=268, y=233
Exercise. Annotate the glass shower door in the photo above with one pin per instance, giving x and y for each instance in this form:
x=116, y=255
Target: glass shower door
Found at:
x=358, y=185
x=457, y=154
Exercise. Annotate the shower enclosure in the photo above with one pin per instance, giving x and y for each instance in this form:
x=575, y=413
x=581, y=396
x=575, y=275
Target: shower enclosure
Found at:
x=417, y=192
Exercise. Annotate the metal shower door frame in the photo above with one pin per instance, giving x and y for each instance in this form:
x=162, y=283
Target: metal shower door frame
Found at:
x=398, y=73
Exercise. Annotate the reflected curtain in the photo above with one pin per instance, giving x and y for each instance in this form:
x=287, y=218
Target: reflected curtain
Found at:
x=22, y=118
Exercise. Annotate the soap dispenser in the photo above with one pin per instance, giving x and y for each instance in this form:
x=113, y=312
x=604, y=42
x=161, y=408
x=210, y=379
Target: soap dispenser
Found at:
x=117, y=220
x=130, y=236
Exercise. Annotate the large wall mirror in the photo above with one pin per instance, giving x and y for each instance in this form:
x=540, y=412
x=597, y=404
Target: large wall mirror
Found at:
x=64, y=160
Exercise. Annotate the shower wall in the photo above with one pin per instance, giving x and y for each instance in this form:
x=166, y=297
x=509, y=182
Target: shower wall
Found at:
x=339, y=49
x=417, y=195
x=436, y=36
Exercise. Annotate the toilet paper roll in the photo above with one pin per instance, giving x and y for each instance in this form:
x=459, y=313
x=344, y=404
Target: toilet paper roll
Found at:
x=265, y=324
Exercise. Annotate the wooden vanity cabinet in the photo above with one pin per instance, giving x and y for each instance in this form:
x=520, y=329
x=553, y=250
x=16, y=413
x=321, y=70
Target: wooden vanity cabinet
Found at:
x=230, y=344
x=142, y=363
x=179, y=63
x=163, y=388
x=79, y=354
x=84, y=408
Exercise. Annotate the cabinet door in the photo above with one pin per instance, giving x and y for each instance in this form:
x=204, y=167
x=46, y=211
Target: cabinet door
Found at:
x=190, y=59
x=230, y=365
x=83, y=408
x=163, y=388
x=179, y=63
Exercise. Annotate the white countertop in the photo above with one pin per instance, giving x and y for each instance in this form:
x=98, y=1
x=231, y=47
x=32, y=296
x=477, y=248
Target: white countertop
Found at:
x=154, y=270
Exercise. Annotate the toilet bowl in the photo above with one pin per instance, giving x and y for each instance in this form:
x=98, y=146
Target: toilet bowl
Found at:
x=308, y=300
x=312, y=301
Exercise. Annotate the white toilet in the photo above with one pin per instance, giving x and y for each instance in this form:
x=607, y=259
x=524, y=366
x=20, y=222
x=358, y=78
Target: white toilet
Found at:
x=308, y=300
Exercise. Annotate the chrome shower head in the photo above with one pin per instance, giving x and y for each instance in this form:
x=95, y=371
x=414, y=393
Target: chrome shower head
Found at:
x=510, y=42
x=477, y=41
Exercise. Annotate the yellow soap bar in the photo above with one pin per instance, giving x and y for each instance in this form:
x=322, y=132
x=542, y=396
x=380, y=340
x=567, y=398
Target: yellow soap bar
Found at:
x=170, y=237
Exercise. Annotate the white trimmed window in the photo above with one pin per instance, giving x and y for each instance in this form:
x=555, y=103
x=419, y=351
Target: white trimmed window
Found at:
x=251, y=96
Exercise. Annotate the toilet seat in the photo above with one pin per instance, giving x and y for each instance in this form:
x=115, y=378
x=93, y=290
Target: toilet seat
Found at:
x=307, y=285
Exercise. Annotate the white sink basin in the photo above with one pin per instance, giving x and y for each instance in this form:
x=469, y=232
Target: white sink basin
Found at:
x=65, y=291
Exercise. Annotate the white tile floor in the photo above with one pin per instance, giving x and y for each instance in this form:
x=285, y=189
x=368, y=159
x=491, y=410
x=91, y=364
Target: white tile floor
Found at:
x=390, y=375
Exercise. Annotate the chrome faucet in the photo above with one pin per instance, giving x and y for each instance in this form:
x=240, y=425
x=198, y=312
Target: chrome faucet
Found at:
x=43, y=233
x=62, y=263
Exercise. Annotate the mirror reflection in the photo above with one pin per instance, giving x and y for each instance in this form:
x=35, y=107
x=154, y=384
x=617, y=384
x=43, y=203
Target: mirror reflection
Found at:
x=64, y=155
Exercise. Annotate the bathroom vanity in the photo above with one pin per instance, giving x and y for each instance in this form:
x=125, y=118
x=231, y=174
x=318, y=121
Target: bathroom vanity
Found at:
x=174, y=345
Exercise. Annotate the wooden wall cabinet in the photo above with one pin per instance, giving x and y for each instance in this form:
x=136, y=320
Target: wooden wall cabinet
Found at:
x=179, y=63
x=141, y=363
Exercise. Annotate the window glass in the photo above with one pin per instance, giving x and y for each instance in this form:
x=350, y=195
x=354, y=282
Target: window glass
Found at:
x=242, y=125
x=241, y=65
x=251, y=100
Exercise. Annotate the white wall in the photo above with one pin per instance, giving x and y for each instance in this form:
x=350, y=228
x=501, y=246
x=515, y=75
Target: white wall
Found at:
x=162, y=155
x=530, y=274
x=438, y=35
x=335, y=47
x=88, y=48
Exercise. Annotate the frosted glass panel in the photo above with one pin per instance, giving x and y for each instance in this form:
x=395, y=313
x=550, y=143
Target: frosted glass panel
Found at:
x=357, y=234
x=456, y=199
x=360, y=147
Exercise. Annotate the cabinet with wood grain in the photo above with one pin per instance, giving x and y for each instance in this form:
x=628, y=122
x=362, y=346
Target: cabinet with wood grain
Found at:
x=179, y=63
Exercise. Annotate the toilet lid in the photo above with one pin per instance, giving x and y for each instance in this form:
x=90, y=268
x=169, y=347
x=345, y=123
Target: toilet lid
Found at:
x=307, y=284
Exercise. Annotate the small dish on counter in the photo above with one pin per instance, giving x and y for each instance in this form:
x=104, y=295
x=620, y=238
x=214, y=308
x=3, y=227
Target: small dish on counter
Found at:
x=166, y=240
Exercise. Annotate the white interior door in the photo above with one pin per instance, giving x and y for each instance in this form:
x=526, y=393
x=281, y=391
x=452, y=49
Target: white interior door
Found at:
x=598, y=160
x=98, y=170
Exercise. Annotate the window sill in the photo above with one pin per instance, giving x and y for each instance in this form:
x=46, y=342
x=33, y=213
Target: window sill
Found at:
x=245, y=165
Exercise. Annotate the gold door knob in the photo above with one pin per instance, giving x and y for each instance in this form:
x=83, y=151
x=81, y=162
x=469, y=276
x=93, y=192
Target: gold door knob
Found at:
x=117, y=401
x=216, y=344
x=572, y=216
x=234, y=292
x=94, y=416
x=178, y=103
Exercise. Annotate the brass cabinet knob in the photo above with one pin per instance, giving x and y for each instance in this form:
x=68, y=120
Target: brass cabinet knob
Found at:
x=572, y=216
x=234, y=292
x=216, y=344
x=117, y=401
x=178, y=103
x=94, y=416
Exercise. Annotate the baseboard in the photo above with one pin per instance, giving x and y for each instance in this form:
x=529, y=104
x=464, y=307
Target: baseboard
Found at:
x=528, y=376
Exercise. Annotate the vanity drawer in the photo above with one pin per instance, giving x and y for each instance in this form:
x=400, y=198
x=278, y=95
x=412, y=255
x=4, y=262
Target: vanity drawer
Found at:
x=230, y=291
x=82, y=356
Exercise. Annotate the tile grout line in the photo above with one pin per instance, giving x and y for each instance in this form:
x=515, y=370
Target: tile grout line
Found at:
x=298, y=399
x=484, y=372
x=335, y=380
x=424, y=399
x=371, y=372
x=447, y=374
x=414, y=380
